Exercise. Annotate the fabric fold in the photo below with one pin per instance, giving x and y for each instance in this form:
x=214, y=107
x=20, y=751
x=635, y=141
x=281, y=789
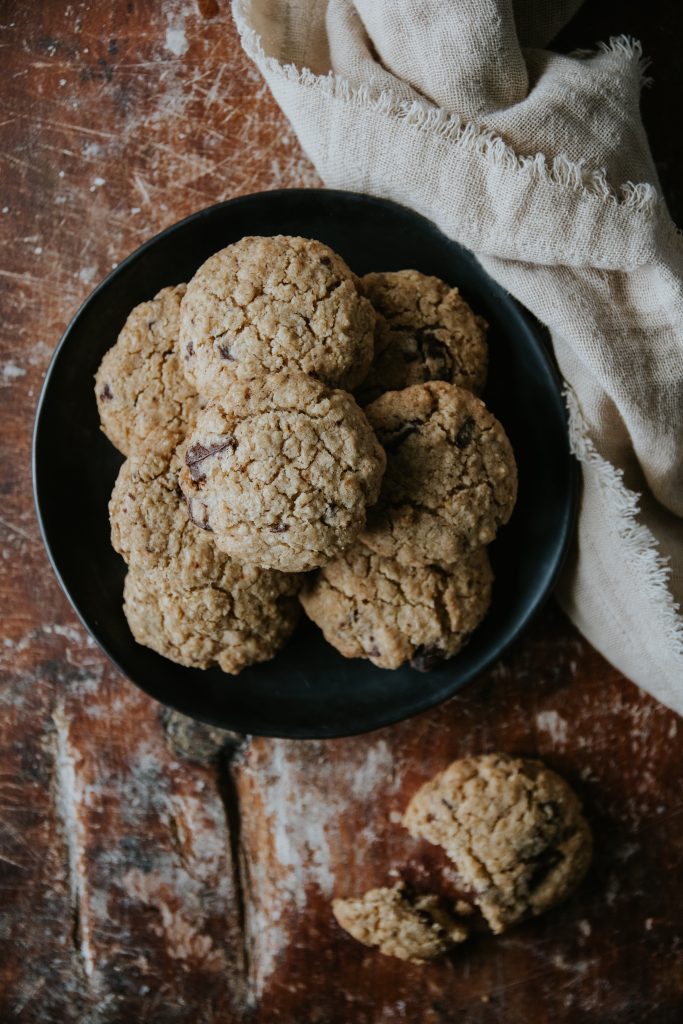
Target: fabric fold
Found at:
x=539, y=163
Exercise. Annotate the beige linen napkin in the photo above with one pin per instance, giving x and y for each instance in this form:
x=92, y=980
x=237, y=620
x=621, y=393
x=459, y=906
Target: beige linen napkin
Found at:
x=539, y=163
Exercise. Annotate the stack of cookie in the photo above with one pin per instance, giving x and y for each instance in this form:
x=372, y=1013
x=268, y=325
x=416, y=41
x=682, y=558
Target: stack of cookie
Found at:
x=250, y=462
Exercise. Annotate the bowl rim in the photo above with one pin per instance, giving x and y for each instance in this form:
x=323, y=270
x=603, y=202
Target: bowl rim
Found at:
x=430, y=700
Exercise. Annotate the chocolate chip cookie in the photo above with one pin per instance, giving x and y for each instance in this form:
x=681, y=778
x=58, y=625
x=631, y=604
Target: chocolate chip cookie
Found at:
x=451, y=478
x=184, y=598
x=281, y=469
x=140, y=386
x=425, y=331
x=235, y=618
x=271, y=304
x=150, y=525
x=513, y=828
x=400, y=924
x=373, y=607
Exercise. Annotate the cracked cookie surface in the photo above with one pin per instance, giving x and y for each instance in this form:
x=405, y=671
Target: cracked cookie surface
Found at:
x=425, y=331
x=414, y=928
x=512, y=827
x=237, y=617
x=281, y=469
x=275, y=303
x=140, y=386
x=451, y=477
x=183, y=597
x=150, y=525
x=373, y=607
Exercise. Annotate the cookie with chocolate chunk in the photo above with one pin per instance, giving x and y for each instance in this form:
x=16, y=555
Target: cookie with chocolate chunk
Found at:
x=140, y=386
x=513, y=828
x=276, y=303
x=281, y=469
x=373, y=607
x=401, y=924
x=451, y=477
x=425, y=331
x=183, y=597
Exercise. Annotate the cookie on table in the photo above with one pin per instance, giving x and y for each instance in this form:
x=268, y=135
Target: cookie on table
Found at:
x=140, y=385
x=400, y=924
x=451, y=477
x=275, y=303
x=233, y=619
x=373, y=607
x=425, y=331
x=281, y=470
x=512, y=827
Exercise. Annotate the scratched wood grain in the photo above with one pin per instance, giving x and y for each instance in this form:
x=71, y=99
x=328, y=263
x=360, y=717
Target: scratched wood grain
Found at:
x=151, y=870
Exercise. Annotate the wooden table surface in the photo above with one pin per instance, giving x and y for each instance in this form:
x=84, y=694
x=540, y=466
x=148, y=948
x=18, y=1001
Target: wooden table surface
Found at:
x=151, y=870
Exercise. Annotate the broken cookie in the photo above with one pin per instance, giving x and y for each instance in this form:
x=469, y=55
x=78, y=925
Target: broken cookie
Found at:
x=513, y=829
x=401, y=924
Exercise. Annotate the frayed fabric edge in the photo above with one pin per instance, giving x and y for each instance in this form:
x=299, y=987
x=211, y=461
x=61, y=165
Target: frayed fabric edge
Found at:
x=625, y=49
x=636, y=197
x=654, y=571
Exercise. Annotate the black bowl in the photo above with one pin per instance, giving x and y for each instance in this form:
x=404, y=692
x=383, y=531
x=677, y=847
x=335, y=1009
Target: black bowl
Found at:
x=308, y=690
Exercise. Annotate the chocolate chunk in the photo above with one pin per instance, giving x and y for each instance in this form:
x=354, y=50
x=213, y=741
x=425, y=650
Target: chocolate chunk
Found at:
x=226, y=353
x=465, y=434
x=330, y=513
x=198, y=453
x=437, y=359
x=279, y=527
x=189, y=349
x=203, y=523
x=392, y=442
x=427, y=657
x=105, y=394
x=543, y=864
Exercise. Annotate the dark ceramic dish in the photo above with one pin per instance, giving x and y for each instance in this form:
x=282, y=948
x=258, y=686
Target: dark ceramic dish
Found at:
x=309, y=690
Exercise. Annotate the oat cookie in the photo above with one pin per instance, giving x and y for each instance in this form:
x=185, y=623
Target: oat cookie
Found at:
x=451, y=478
x=373, y=607
x=271, y=304
x=425, y=331
x=140, y=385
x=281, y=469
x=150, y=525
x=513, y=828
x=236, y=618
x=184, y=598
x=400, y=924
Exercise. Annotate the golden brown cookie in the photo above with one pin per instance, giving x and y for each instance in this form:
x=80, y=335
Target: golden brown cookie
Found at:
x=275, y=303
x=414, y=928
x=235, y=618
x=150, y=525
x=184, y=598
x=140, y=385
x=425, y=331
x=512, y=827
x=373, y=607
x=451, y=477
x=281, y=469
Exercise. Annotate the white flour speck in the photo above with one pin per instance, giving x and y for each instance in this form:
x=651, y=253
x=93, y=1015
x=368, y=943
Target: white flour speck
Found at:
x=176, y=41
x=553, y=724
x=11, y=371
x=86, y=274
